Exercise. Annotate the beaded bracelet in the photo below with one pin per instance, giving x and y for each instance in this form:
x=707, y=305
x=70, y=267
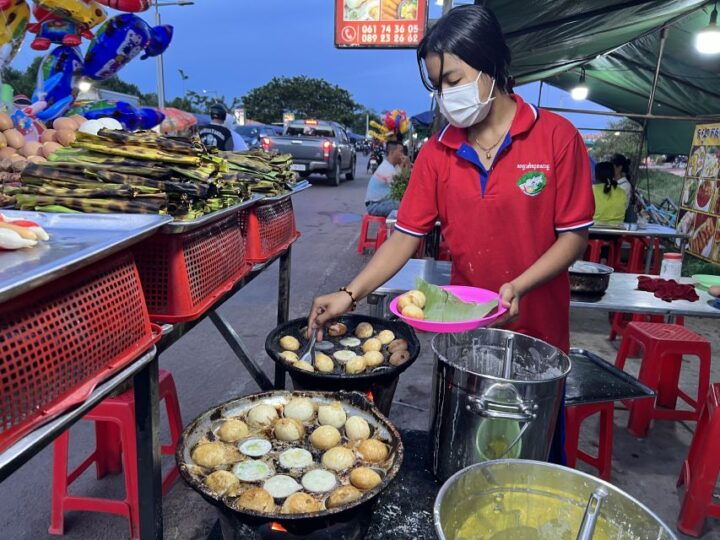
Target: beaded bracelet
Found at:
x=353, y=306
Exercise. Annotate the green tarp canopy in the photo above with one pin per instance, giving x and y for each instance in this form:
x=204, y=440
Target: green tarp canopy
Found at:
x=617, y=44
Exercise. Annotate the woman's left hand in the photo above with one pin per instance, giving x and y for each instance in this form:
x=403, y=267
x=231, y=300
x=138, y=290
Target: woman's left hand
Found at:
x=509, y=299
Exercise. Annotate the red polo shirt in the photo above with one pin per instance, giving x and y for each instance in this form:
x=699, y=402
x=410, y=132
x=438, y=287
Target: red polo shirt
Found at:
x=498, y=222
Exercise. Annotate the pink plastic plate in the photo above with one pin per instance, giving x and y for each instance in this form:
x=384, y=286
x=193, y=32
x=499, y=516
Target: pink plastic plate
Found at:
x=467, y=294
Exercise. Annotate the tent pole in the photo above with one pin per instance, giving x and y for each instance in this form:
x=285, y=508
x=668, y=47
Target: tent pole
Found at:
x=539, y=93
x=708, y=118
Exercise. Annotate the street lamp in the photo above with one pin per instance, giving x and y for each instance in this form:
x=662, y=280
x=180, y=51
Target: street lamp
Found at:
x=707, y=41
x=159, y=57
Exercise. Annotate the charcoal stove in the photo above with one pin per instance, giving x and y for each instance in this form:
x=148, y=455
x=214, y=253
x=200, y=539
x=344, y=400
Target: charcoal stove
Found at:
x=378, y=385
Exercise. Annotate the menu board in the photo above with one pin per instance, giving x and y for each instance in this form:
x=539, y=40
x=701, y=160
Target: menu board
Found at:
x=380, y=23
x=700, y=199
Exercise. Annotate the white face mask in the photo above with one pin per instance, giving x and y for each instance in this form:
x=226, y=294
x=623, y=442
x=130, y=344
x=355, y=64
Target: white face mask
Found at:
x=461, y=105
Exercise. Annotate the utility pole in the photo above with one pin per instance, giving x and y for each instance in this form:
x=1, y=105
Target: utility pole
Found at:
x=159, y=65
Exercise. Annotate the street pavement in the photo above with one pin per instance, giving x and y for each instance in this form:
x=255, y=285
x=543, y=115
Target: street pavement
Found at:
x=207, y=373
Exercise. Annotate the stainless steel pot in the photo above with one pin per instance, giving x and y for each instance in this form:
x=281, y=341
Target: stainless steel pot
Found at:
x=520, y=499
x=589, y=278
x=496, y=394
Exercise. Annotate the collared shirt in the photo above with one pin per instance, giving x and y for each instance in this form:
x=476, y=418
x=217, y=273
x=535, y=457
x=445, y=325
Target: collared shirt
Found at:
x=499, y=222
x=378, y=188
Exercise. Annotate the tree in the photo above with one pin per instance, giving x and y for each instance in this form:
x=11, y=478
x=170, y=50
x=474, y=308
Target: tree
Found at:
x=306, y=97
x=618, y=141
x=23, y=82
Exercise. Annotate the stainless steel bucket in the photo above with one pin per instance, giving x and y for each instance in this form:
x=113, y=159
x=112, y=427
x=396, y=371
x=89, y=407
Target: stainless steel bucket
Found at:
x=530, y=500
x=496, y=395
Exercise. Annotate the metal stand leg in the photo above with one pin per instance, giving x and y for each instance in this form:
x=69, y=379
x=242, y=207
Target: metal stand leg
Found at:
x=238, y=347
x=147, y=420
x=649, y=256
x=283, y=312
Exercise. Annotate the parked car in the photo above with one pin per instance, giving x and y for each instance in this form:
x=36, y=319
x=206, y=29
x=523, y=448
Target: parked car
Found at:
x=317, y=146
x=253, y=134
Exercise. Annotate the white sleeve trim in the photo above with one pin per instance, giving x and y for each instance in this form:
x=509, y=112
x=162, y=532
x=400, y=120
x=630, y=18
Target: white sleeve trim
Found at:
x=408, y=231
x=442, y=133
x=575, y=227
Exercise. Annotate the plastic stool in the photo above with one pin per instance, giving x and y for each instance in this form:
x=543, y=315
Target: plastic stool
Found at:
x=574, y=417
x=636, y=259
x=664, y=346
x=115, y=451
x=700, y=469
x=365, y=241
x=619, y=322
x=593, y=253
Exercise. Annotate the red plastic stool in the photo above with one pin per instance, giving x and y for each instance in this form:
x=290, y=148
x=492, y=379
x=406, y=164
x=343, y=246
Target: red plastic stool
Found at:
x=593, y=253
x=700, y=470
x=371, y=242
x=619, y=322
x=664, y=346
x=636, y=258
x=574, y=417
x=115, y=451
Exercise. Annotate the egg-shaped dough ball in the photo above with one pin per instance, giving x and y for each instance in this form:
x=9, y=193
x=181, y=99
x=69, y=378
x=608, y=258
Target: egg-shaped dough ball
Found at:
x=413, y=312
x=221, y=482
x=232, y=430
x=399, y=358
x=289, y=343
x=364, y=330
x=289, y=356
x=262, y=415
x=373, y=451
x=299, y=408
x=338, y=458
x=357, y=428
x=213, y=454
x=332, y=414
x=364, y=478
x=289, y=429
x=404, y=301
x=325, y=437
x=398, y=345
x=372, y=344
x=417, y=297
x=256, y=499
x=300, y=503
x=386, y=336
x=342, y=496
x=323, y=363
x=374, y=359
x=356, y=365
x=305, y=366
x=337, y=330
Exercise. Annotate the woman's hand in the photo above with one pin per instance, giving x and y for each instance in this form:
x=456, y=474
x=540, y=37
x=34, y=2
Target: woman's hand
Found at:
x=509, y=299
x=327, y=307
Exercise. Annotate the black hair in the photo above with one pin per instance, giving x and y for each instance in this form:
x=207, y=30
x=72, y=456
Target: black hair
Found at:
x=473, y=34
x=605, y=173
x=218, y=112
x=392, y=144
x=618, y=160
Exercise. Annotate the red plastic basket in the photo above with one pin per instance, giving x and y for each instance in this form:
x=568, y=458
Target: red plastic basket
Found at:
x=184, y=274
x=269, y=229
x=57, y=342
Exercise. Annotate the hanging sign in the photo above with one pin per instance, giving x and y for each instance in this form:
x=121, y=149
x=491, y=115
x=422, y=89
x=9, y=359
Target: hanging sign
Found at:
x=380, y=24
x=700, y=199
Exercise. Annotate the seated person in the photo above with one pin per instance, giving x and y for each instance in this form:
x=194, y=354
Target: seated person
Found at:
x=610, y=202
x=377, y=196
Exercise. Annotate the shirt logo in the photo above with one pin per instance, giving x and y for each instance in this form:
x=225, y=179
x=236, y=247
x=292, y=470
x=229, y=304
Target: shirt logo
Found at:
x=532, y=183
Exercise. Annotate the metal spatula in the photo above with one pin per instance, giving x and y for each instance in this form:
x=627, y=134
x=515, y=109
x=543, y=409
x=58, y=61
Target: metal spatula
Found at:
x=309, y=355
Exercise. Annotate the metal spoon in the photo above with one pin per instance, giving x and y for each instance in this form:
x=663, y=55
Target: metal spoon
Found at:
x=309, y=355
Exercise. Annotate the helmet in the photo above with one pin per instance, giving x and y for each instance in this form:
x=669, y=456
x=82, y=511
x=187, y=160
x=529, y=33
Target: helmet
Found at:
x=217, y=112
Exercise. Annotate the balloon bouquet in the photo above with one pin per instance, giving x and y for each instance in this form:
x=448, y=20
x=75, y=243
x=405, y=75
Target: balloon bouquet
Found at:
x=64, y=24
x=394, y=127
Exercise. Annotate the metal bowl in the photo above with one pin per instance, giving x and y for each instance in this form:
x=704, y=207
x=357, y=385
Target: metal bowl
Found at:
x=514, y=498
x=353, y=402
x=589, y=278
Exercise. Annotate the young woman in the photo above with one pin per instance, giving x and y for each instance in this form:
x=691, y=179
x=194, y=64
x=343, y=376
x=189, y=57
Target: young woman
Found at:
x=621, y=174
x=510, y=185
x=610, y=199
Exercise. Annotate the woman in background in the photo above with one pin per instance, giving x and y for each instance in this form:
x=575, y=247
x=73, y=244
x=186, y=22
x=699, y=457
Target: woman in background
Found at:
x=610, y=202
x=621, y=174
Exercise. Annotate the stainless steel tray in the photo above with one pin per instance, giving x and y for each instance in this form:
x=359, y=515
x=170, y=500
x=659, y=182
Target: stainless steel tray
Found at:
x=297, y=188
x=76, y=240
x=177, y=227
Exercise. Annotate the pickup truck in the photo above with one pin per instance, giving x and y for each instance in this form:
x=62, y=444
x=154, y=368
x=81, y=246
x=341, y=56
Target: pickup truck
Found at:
x=317, y=146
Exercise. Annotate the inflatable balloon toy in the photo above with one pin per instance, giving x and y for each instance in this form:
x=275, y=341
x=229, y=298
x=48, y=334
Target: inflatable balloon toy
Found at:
x=86, y=13
x=123, y=112
x=55, y=81
x=160, y=38
x=129, y=6
x=149, y=117
x=14, y=16
x=397, y=121
x=51, y=28
x=117, y=42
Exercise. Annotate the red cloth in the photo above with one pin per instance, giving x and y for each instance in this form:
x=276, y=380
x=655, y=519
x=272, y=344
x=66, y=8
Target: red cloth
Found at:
x=667, y=289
